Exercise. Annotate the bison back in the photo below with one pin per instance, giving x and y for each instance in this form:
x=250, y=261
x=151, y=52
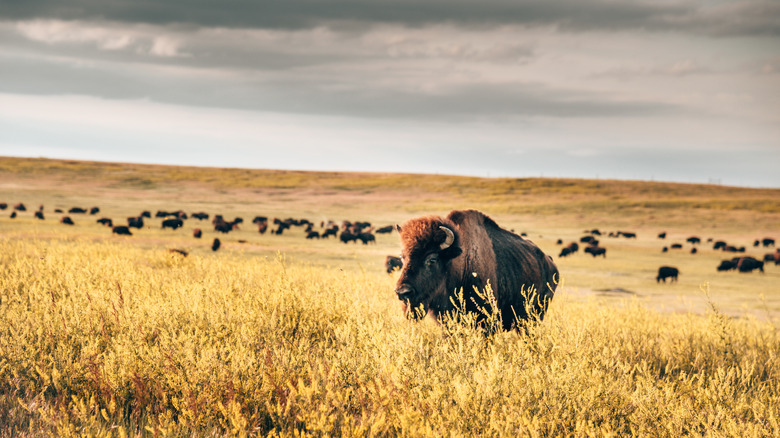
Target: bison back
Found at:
x=515, y=267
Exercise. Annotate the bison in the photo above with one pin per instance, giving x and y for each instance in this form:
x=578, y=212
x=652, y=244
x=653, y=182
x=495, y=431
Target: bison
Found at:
x=748, y=264
x=313, y=235
x=66, y=220
x=20, y=207
x=467, y=252
x=366, y=238
x=693, y=240
x=385, y=230
x=215, y=245
x=135, y=222
x=720, y=244
x=121, y=230
x=767, y=242
x=662, y=235
x=197, y=233
x=39, y=215
x=596, y=251
x=77, y=210
x=172, y=223
x=201, y=216
x=105, y=221
x=94, y=210
x=3, y=205
x=665, y=272
x=727, y=265
x=569, y=249
x=392, y=263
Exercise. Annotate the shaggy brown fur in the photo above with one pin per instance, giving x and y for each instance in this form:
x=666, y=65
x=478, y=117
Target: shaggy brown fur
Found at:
x=481, y=253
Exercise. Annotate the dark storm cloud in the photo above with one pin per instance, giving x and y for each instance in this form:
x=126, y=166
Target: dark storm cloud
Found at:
x=728, y=18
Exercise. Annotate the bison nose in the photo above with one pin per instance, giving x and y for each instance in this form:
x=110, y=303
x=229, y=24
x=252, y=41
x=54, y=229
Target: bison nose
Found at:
x=404, y=292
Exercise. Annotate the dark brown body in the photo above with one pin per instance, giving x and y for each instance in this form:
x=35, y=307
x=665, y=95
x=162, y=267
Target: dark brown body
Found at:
x=480, y=253
x=665, y=272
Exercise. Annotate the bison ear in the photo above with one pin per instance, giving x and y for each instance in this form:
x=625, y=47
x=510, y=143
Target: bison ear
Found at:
x=397, y=228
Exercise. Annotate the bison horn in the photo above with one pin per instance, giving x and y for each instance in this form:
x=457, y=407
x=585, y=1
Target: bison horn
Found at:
x=450, y=238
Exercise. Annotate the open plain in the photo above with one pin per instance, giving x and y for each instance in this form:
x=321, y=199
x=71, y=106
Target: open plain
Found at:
x=103, y=334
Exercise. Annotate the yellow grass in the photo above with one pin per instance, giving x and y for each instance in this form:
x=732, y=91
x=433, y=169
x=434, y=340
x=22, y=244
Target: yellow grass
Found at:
x=105, y=335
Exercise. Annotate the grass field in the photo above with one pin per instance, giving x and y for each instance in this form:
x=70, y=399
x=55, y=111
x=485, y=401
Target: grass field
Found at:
x=112, y=335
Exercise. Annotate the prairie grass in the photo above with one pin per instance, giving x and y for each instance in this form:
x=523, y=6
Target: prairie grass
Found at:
x=102, y=335
x=106, y=339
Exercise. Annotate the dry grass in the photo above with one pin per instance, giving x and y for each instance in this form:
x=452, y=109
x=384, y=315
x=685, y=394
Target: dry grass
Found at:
x=106, y=335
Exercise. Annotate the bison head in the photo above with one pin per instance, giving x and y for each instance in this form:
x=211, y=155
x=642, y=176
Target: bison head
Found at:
x=428, y=246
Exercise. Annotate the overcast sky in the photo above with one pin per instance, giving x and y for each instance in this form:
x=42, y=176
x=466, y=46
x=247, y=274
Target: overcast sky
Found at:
x=675, y=90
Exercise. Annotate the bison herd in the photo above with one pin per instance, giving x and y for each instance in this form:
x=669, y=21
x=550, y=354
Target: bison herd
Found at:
x=741, y=264
x=345, y=231
x=463, y=261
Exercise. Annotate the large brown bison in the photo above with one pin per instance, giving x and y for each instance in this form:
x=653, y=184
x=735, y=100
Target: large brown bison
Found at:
x=665, y=272
x=467, y=251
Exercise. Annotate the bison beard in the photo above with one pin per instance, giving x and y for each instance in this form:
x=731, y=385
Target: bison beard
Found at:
x=467, y=251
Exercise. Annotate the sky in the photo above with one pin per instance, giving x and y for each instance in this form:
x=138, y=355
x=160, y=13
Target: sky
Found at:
x=664, y=90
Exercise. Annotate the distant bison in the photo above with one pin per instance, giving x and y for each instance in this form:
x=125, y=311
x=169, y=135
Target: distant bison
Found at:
x=215, y=245
x=749, y=264
x=727, y=265
x=20, y=207
x=197, y=233
x=121, y=230
x=201, y=216
x=66, y=220
x=665, y=272
x=676, y=246
x=693, y=240
x=767, y=242
x=662, y=235
x=77, y=210
x=39, y=215
x=596, y=251
x=3, y=205
x=467, y=251
x=720, y=244
x=385, y=230
x=313, y=235
x=178, y=251
x=94, y=210
x=569, y=249
x=172, y=223
x=392, y=263
x=135, y=222
x=105, y=221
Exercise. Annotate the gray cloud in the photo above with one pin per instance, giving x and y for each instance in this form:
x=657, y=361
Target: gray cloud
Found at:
x=319, y=95
x=748, y=17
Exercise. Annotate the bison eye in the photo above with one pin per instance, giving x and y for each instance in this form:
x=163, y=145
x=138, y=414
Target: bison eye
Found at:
x=432, y=260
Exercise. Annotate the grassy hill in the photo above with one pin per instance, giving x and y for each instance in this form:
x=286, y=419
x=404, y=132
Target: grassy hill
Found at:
x=109, y=335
